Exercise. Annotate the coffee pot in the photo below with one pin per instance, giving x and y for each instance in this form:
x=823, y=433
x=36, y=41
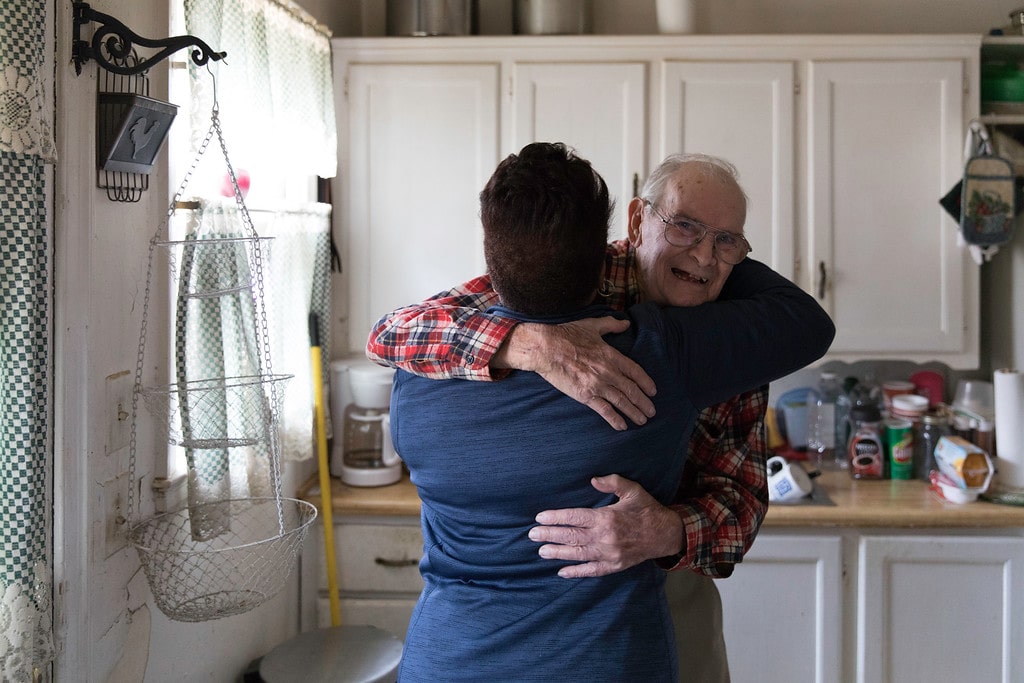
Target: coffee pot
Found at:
x=368, y=454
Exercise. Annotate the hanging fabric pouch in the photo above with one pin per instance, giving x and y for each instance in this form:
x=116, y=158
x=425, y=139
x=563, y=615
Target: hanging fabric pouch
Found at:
x=988, y=202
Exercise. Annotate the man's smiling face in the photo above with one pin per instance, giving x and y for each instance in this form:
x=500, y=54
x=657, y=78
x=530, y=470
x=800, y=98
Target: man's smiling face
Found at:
x=685, y=276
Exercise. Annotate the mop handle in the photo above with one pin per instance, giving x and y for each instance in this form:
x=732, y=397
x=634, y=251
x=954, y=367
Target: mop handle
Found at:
x=325, y=475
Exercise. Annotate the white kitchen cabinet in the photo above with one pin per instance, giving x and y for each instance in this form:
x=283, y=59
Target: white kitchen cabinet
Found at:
x=940, y=609
x=844, y=145
x=782, y=610
x=881, y=607
x=744, y=112
x=597, y=108
x=884, y=144
x=418, y=143
x=377, y=565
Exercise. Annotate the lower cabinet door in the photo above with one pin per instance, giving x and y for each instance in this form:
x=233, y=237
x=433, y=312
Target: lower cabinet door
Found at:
x=935, y=608
x=390, y=614
x=782, y=610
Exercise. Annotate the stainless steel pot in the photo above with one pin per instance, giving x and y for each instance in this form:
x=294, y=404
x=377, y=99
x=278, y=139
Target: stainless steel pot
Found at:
x=533, y=17
x=430, y=17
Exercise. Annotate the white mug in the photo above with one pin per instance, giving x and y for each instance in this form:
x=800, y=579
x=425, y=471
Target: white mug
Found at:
x=787, y=481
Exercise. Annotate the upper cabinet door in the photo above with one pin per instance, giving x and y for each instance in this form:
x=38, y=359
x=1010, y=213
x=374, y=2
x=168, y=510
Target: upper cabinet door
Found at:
x=599, y=109
x=884, y=144
x=743, y=112
x=421, y=141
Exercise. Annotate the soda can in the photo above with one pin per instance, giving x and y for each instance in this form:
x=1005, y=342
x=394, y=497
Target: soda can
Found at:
x=899, y=437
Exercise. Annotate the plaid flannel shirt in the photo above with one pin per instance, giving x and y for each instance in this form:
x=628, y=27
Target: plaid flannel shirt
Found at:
x=723, y=495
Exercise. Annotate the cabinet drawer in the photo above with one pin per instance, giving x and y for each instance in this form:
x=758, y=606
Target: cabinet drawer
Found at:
x=376, y=558
x=392, y=615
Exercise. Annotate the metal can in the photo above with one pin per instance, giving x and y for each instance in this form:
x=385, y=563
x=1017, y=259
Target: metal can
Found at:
x=899, y=437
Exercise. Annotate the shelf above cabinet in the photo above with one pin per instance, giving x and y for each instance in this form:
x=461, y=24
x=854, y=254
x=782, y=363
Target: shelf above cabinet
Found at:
x=1002, y=119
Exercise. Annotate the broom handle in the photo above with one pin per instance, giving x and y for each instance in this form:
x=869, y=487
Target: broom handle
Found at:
x=325, y=475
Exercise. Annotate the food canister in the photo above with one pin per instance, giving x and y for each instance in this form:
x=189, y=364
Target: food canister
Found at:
x=551, y=17
x=899, y=439
x=430, y=17
x=892, y=388
x=909, y=407
x=867, y=458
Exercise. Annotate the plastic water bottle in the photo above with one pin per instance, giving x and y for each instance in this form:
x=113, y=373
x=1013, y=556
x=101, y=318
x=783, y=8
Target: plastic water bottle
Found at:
x=822, y=426
x=841, y=459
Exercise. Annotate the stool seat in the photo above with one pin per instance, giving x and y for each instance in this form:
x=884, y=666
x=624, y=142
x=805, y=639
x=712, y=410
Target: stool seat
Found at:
x=340, y=654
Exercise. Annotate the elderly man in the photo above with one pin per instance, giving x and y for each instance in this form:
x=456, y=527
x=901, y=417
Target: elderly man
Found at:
x=685, y=236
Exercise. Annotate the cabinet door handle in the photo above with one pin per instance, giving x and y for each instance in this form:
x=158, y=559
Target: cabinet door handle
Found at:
x=395, y=564
x=822, y=280
x=636, y=184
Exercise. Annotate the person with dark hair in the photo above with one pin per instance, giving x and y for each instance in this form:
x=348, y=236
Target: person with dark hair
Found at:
x=673, y=256
x=487, y=456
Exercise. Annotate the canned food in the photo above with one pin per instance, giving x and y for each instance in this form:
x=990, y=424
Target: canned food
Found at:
x=900, y=439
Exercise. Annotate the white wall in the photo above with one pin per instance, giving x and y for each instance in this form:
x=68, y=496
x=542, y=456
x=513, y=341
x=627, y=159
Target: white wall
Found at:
x=106, y=625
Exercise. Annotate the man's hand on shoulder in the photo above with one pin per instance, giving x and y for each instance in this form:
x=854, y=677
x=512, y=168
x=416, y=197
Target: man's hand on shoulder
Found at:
x=574, y=359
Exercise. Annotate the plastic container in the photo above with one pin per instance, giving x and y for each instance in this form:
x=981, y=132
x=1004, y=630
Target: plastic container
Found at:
x=893, y=388
x=909, y=407
x=821, y=421
x=975, y=396
x=953, y=493
x=792, y=416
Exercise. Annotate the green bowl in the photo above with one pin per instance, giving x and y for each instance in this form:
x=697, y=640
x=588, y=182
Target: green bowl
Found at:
x=1002, y=83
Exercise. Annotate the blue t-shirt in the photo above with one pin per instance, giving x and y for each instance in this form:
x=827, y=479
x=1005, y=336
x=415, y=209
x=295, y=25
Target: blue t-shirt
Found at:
x=486, y=457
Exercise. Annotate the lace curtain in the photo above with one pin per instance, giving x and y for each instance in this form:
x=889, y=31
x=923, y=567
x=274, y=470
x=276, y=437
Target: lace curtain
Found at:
x=275, y=99
x=26, y=641
x=274, y=90
x=216, y=337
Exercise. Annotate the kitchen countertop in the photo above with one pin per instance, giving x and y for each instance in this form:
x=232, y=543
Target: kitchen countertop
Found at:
x=860, y=504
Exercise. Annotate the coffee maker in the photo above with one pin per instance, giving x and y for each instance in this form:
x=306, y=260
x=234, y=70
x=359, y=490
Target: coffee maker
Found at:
x=363, y=454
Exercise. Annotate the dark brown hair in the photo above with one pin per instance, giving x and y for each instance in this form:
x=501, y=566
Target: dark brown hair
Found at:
x=545, y=214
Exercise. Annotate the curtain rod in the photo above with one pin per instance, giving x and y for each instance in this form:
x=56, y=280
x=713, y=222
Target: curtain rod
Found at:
x=195, y=204
x=297, y=12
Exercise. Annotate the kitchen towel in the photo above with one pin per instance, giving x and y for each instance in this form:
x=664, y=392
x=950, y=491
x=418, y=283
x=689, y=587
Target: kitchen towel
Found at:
x=1009, y=397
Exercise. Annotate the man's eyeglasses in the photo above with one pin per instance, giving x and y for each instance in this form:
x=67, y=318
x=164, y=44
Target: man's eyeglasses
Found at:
x=686, y=232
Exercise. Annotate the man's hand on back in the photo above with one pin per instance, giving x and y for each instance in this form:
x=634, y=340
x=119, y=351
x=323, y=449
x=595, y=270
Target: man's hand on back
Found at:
x=574, y=359
x=609, y=539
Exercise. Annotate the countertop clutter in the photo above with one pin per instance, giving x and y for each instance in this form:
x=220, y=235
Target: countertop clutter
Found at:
x=889, y=503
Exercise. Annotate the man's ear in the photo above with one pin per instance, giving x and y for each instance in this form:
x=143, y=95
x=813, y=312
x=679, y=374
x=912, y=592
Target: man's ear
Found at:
x=636, y=217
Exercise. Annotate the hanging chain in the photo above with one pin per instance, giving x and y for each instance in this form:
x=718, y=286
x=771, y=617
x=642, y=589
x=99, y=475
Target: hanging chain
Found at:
x=263, y=333
x=259, y=301
x=140, y=355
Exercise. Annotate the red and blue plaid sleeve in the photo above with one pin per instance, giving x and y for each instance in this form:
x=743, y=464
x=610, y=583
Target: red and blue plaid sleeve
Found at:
x=723, y=496
x=446, y=336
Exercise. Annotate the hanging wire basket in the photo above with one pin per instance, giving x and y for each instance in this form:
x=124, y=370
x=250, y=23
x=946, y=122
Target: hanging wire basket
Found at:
x=222, y=556
x=222, y=412
x=236, y=571
x=212, y=267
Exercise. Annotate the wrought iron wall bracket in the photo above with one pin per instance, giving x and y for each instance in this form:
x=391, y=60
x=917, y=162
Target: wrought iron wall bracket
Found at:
x=113, y=40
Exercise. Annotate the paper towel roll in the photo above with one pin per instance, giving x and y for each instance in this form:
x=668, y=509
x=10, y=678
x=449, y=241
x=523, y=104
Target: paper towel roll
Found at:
x=1008, y=388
